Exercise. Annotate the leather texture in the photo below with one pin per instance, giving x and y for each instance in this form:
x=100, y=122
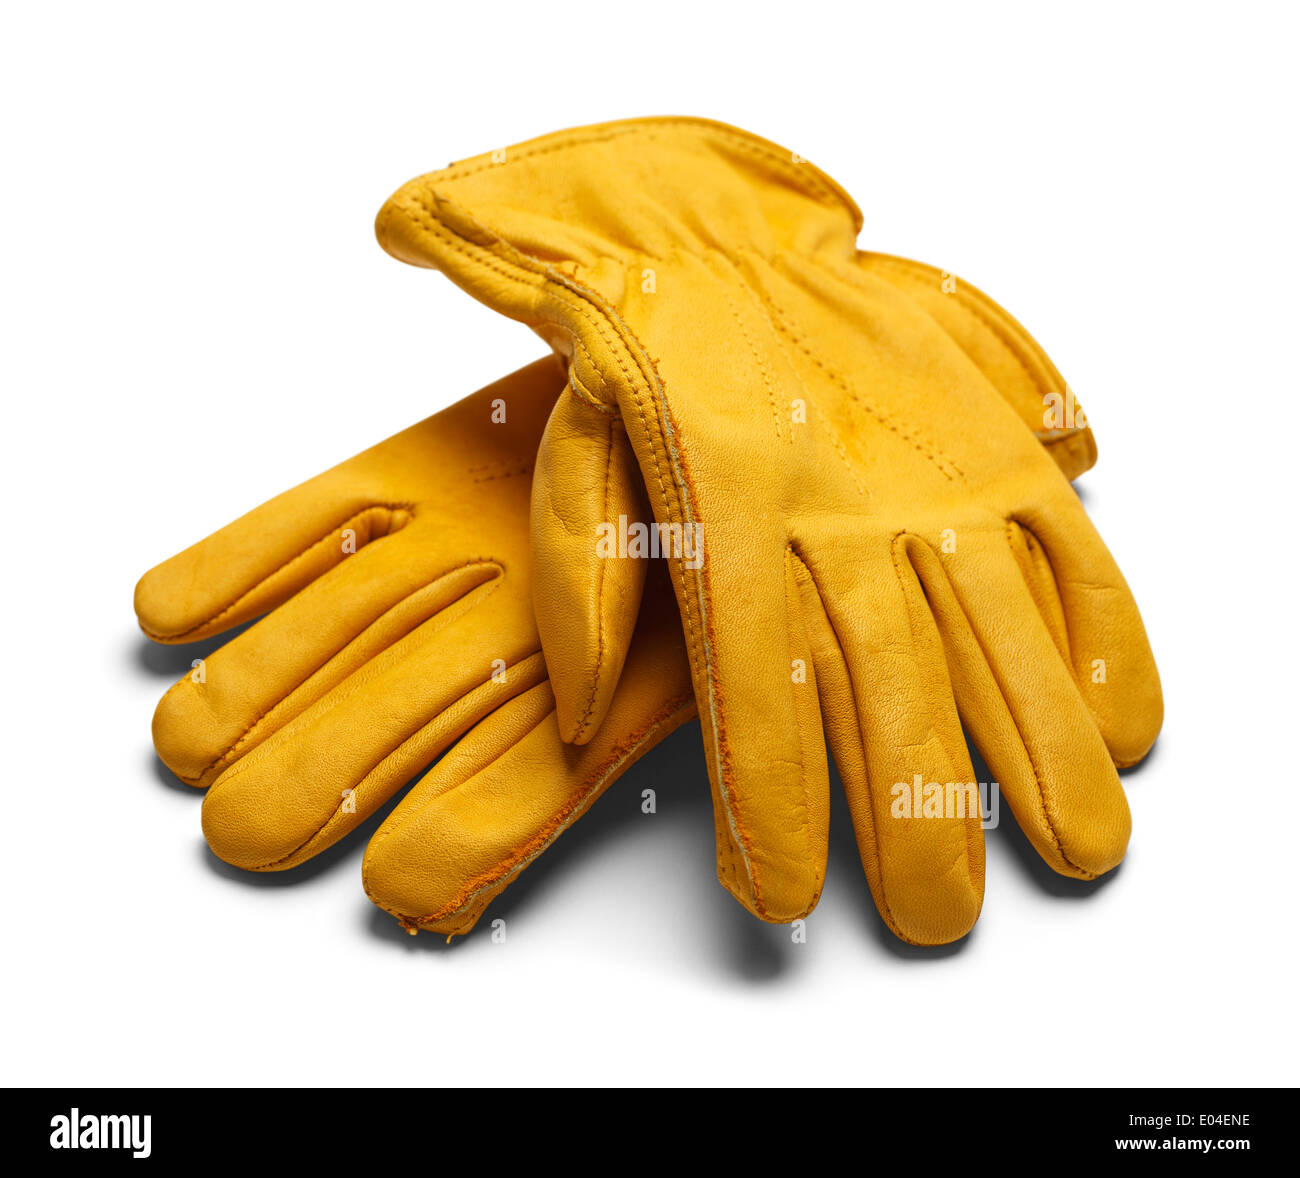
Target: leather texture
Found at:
x=386, y=587
x=398, y=620
x=872, y=510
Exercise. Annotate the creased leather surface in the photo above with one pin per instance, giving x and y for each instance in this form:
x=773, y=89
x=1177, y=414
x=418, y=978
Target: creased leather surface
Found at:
x=371, y=663
x=905, y=535
x=360, y=671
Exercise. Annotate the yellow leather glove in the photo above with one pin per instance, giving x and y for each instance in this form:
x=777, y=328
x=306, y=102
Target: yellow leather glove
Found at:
x=400, y=622
x=884, y=548
x=390, y=584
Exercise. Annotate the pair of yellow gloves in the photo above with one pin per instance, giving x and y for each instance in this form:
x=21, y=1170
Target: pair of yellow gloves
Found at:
x=864, y=531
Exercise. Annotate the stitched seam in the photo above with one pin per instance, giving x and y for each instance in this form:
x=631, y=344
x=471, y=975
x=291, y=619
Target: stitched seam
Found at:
x=1047, y=556
x=320, y=830
x=808, y=179
x=521, y=468
x=505, y=872
x=827, y=427
x=782, y=320
x=487, y=587
x=794, y=615
x=584, y=721
x=1015, y=724
x=579, y=390
x=389, y=827
x=575, y=296
x=609, y=407
x=567, y=292
x=916, y=646
x=759, y=363
x=887, y=912
x=705, y=643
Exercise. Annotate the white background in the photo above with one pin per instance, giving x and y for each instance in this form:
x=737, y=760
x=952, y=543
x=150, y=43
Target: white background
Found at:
x=196, y=316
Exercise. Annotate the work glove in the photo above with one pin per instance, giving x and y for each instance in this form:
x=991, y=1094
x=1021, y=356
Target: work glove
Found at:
x=865, y=543
x=398, y=622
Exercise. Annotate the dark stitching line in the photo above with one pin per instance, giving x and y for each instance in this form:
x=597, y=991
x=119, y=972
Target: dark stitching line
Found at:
x=917, y=647
x=1013, y=522
x=793, y=612
x=783, y=321
x=888, y=912
x=584, y=721
x=320, y=830
x=605, y=775
x=827, y=426
x=582, y=301
x=1015, y=724
x=520, y=270
x=569, y=294
x=759, y=363
x=808, y=178
x=489, y=586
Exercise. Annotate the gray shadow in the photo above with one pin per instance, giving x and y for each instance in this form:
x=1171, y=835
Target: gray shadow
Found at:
x=845, y=876
x=1011, y=836
x=166, y=778
x=349, y=849
x=1149, y=759
x=172, y=661
x=742, y=945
